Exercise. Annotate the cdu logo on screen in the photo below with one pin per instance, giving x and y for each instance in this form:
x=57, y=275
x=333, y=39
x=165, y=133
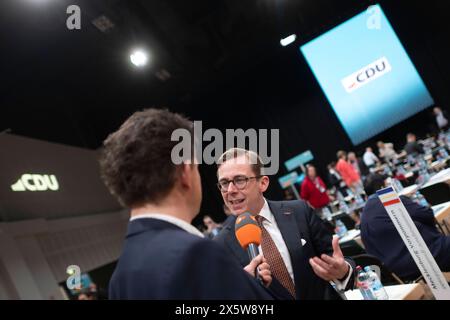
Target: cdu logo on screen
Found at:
x=36, y=182
x=366, y=74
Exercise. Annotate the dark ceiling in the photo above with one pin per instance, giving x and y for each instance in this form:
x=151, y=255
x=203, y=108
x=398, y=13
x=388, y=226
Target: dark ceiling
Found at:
x=75, y=86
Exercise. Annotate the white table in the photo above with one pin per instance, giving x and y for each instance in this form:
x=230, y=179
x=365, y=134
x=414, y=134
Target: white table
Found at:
x=413, y=291
x=408, y=191
x=438, y=164
x=409, y=174
x=441, y=176
x=441, y=211
x=351, y=235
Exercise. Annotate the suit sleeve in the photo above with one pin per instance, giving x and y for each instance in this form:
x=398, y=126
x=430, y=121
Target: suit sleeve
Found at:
x=205, y=271
x=322, y=239
x=112, y=292
x=419, y=213
x=319, y=234
x=276, y=289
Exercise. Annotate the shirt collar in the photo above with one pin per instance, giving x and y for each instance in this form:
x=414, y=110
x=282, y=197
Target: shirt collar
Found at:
x=170, y=219
x=266, y=213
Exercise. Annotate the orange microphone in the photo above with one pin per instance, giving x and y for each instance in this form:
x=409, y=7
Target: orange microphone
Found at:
x=248, y=233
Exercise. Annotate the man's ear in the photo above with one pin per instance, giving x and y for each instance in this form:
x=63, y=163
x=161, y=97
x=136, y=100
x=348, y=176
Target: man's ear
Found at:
x=185, y=171
x=263, y=183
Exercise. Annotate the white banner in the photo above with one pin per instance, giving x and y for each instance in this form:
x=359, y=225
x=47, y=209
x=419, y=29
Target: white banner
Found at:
x=415, y=243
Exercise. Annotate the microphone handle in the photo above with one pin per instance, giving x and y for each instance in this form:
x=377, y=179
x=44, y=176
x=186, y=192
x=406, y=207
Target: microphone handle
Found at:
x=253, y=252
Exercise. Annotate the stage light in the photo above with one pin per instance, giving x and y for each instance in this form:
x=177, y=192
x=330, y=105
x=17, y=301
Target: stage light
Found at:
x=139, y=58
x=288, y=40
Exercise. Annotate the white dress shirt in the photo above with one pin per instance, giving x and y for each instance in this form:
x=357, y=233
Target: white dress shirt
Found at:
x=271, y=226
x=369, y=158
x=170, y=219
x=441, y=120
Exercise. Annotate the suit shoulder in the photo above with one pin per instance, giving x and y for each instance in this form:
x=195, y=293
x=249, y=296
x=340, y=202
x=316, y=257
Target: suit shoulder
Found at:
x=227, y=227
x=212, y=254
x=201, y=246
x=291, y=206
x=220, y=238
x=288, y=203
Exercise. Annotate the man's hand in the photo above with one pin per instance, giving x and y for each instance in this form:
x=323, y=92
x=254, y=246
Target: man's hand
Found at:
x=260, y=265
x=331, y=268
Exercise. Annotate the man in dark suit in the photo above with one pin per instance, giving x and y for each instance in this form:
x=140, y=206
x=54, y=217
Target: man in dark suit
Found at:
x=164, y=256
x=412, y=146
x=335, y=179
x=381, y=238
x=304, y=259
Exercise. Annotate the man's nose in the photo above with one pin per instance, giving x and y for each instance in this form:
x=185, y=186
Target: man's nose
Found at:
x=232, y=187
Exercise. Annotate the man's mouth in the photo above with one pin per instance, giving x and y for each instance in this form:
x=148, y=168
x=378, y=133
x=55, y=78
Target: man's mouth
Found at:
x=237, y=201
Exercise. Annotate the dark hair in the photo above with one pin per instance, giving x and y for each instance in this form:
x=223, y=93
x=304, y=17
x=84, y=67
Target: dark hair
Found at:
x=341, y=153
x=373, y=182
x=135, y=162
x=233, y=153
x=309, y=166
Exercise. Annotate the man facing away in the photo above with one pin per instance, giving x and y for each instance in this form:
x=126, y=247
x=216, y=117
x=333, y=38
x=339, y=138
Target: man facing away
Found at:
x=164, y=256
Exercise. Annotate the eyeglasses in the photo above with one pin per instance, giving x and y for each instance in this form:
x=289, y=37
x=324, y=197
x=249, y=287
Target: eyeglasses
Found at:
x=240, y=182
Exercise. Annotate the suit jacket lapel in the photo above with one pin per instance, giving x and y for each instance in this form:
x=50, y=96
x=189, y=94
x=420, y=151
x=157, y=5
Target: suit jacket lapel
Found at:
x=290, y=232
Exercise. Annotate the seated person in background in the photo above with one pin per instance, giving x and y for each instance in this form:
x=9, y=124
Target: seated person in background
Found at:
x=164, y=256
x=98, y=293
x=370, y=159
x=399, y=176
x=314, y=190
x=86, y=296
x=386, y=151
x=381, y=238
x=212, y=228
x=412, y=146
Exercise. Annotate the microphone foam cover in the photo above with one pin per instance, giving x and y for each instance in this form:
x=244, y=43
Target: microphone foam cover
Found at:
x=247, y=230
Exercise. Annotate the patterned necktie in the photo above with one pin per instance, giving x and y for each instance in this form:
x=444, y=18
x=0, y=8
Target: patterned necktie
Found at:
x=274, y=259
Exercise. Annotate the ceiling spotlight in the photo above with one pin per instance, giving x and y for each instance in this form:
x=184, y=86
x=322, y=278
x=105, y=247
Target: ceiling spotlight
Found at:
x=139, y=58
x=288, y=40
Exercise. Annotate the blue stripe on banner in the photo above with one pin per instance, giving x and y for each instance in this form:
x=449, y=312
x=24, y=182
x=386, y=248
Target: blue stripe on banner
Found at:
x=384, y=191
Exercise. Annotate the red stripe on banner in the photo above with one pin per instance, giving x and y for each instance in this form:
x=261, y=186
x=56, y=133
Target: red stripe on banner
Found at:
x=388, y=203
